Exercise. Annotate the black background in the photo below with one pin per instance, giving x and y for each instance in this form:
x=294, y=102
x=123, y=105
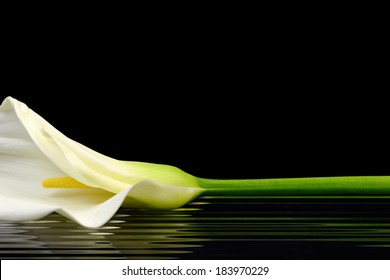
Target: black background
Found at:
x=224, y=127
x=242, y=99
x=257, y=93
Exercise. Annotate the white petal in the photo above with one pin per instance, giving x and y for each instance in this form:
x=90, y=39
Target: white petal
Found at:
x=76, y=160
x=22, y=169
x=23, y=209
x=90, y=208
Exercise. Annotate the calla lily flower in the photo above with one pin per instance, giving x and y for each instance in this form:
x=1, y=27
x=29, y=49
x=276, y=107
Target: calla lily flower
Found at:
x=42, y=171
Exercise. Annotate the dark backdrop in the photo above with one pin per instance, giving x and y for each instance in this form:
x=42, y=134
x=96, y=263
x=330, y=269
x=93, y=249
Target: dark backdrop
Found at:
x=233, y=103
x=224, y=125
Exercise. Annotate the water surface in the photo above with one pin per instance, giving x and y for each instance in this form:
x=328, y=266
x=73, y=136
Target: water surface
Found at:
x=215, y=228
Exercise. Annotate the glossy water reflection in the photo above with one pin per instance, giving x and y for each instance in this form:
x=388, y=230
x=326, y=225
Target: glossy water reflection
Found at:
x=215, y=228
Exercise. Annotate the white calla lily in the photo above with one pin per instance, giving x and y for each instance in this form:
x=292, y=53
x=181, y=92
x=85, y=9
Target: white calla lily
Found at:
x=42, y=170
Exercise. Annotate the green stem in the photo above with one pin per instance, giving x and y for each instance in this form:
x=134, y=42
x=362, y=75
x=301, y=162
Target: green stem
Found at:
x=318, y=186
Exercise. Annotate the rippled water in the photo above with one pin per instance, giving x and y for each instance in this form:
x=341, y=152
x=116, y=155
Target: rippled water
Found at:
x=215, y=228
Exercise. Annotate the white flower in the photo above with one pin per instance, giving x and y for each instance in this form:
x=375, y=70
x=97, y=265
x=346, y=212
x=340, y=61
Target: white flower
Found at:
x=42, y=170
